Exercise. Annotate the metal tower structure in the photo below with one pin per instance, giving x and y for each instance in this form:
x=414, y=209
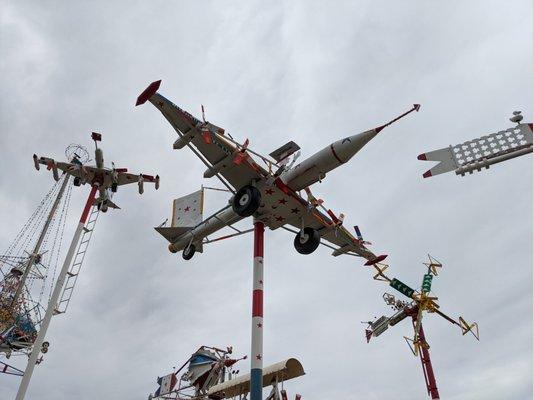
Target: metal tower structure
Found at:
x=102, y=180
x=28, y=268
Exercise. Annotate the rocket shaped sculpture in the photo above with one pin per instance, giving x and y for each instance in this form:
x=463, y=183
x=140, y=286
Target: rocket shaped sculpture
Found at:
x=315, y=168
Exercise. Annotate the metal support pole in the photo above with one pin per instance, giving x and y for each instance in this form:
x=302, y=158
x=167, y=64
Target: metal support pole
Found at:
x=256, y=373
x=427, y=367
x=55, y=297
x=37, y=247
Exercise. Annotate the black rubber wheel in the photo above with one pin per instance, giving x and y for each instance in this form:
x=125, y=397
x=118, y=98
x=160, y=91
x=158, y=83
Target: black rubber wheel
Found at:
x=114, y=187
x=246, y=201
x=77, y=181
x=309, y=242
x=188, y=252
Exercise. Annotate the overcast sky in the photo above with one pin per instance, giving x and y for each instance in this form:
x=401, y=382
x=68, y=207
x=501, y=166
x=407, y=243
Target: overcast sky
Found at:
x=311, y=72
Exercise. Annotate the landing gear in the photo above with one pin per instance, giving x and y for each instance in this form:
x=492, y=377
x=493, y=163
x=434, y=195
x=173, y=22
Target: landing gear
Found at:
x=102, y=206
x=114, y=187
x=77, y=181
x=307, y=242
x=188, y=252
x=44, y=348
x=246, y=201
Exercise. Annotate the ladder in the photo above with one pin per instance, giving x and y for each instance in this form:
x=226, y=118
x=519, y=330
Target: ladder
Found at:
x=74, y=270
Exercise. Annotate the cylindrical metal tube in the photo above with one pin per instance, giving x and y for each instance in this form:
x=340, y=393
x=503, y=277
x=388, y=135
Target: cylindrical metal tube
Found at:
x=256, y=373
x=224, y=217
x=314, y=168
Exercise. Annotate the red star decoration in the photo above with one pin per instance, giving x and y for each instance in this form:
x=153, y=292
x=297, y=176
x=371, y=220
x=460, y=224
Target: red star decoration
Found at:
x=258, y=356
x=282, y=201
x=279, y=218
x=259, y=325
x=269, y=191
x=295, y=211
x=186, y=209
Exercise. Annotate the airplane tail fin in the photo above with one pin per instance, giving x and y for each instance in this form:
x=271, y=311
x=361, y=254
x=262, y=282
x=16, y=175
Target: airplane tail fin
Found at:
x=187, y=213
x=446, y=161
x=107, y=201
x=172, y=233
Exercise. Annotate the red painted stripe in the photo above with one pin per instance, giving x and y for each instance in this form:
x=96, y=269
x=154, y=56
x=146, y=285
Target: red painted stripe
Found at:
x=148, y=92
x=427, y=174
x=259, y=230
x=88, y=205
x=422, y=157
x=257, y=303
x=333, y=216
x=335, y=154
x=281, y=186
x=376, y=260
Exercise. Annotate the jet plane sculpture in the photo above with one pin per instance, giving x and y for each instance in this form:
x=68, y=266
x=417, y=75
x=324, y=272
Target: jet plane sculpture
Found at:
x=270, y=194
x=105, y=178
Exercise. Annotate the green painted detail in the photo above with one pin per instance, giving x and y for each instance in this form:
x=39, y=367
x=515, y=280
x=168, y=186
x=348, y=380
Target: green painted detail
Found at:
x=401, y=287
x=426, y=283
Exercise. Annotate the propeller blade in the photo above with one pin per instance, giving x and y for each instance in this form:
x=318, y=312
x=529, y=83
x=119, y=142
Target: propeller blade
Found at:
x=466, y=327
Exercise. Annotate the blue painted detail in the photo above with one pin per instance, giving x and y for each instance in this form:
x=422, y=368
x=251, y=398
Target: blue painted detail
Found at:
x=256, y=384
x=358, y=232
x=201, y=359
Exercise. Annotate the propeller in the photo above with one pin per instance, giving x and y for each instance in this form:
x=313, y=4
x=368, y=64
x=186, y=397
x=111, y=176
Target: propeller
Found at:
x=466, y=327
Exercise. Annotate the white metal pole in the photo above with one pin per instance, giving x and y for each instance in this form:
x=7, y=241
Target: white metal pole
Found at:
x=256, y=373
x=54, y=299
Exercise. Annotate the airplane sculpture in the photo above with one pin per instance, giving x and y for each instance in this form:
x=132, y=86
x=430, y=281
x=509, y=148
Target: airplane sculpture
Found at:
x=212, y=373
x=420, y=301
x=104, y=178
x=271, y=194
x=482, y=152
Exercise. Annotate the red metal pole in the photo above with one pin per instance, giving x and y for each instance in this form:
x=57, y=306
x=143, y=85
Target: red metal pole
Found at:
x=427, y=367
x=256, y=373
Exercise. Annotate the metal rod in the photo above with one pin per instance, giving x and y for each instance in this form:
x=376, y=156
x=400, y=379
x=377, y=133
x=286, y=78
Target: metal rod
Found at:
x=240, y=146
x=37, y=247
x=54, y=298
x=227, y=236
x=427, y=367
x=208, y=165
x=256, y=372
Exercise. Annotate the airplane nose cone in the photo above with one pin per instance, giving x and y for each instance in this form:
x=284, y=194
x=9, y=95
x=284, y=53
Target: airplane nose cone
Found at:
x=346, y=148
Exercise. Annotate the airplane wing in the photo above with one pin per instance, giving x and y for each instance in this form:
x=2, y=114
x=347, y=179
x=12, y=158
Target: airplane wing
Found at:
x=222, y=156
x=123, y=178
x=282, y=206
x=73, y=169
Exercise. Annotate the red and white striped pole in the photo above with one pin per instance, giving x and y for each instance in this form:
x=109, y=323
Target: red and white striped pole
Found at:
x=427, y=367
x=54, y=298
x=256, y=373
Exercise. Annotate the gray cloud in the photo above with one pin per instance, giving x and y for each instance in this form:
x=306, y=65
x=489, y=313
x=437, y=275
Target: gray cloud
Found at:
x=308, y=71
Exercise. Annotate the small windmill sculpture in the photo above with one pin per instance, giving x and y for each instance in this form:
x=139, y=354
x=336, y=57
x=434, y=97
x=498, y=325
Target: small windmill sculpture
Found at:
x=420, y=301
